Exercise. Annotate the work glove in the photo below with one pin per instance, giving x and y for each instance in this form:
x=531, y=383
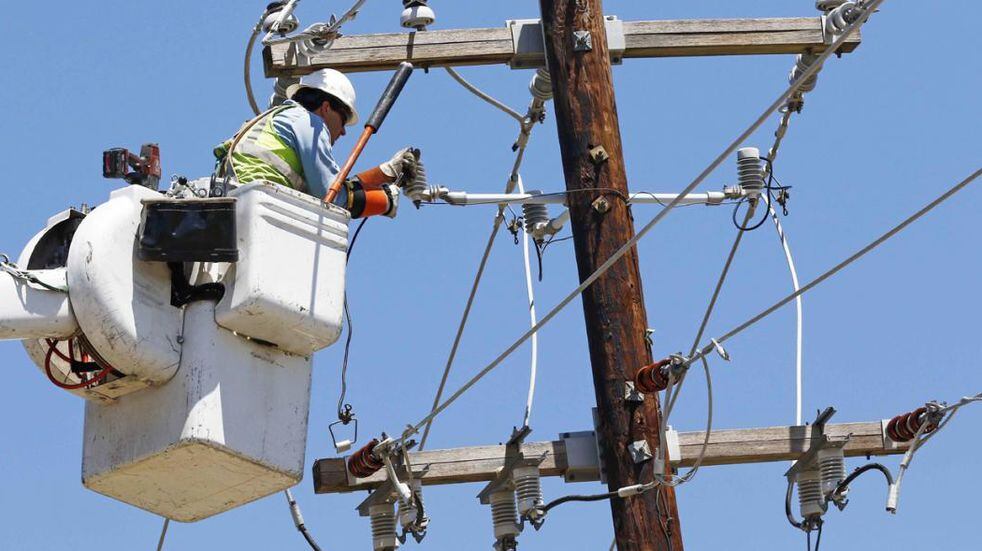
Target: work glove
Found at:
x=401, y=167
x=393, y=192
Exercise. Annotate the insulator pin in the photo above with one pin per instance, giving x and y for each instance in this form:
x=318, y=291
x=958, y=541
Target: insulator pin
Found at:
x=654, y=377
x=904, y=427
x=363, y=462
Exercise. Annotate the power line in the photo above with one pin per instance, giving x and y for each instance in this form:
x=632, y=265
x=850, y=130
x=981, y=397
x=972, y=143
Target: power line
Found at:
x=835, y=269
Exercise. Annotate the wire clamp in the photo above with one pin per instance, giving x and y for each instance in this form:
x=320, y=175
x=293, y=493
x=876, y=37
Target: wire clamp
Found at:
x=720, y=350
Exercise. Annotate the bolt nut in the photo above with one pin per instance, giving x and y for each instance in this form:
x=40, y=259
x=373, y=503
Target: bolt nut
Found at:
x=582, y=41
x=601, y=205
x=599, y=155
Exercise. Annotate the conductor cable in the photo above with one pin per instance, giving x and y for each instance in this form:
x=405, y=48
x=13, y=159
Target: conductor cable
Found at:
x=838, y=267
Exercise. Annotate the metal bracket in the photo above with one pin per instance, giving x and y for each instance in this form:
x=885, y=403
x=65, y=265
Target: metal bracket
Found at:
x=819, y=441
x=386, y=493
x=528, y=43
x=674, y=446
x=582, y=456
x=514, y=458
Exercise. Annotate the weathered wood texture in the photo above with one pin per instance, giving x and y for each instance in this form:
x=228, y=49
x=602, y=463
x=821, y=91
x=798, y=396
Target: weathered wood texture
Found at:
x=726, y=447
x=613, y=306
x=493, y=46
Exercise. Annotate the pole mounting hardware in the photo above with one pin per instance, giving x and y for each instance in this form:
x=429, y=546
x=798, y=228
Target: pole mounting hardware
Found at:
x=582, y=41
x=599, y=155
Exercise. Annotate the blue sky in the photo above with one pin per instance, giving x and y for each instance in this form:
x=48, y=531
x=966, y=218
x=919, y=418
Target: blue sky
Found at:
x=888, y=128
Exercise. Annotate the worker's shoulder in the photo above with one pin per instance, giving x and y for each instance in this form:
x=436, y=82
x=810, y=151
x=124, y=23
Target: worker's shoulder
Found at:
x=295, y=115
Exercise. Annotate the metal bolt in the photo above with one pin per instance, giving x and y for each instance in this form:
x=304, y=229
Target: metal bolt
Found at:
x=582, y=41
x=599, y=155
x=630, y=393
x=640, y=451
x=601, y=205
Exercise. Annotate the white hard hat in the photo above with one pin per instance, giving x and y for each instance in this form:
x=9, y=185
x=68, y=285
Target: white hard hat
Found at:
x=330, y=82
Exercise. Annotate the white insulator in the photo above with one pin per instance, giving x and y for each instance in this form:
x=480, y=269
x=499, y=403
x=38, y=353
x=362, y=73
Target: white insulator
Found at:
x=832, y=466
x=541, y=85
x=288, y=25
x=811, y=502
x=802, y=63
x=417, y=15
x=504, y=515
x=750, y=170
x=841, y=17
x=384, y=536
x=535, y=215
x=528, y=488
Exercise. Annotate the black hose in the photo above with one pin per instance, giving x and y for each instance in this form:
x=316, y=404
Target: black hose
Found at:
x=308, y=537
x=844, y=485
x=787, y=509
x=566, y=499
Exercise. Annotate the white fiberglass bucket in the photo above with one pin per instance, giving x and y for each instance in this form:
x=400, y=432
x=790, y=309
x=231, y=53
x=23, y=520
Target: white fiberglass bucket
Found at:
x=288, y=286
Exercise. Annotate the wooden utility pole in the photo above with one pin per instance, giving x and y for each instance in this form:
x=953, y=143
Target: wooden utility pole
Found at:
x=578, y=59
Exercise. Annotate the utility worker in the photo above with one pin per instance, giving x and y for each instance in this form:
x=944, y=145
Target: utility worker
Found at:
x=291, y=145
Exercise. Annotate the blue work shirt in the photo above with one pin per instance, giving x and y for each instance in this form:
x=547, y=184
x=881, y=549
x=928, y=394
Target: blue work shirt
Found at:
x=307, y=134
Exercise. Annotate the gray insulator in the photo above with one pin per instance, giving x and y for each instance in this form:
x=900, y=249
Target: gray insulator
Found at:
x=528, y=488
x=419, y=187
x=810, y=500
x=541, y=85
x=504, y=515
x=279, y=90
x=841, y=17
x=832, y=466
x=802, y=63
x=750, y=170
x=384, y=536
x=534, y=214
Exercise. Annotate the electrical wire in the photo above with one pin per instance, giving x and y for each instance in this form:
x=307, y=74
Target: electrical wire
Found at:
x=345, y=410
x=630, y=244
x=838, y=267
x=798, y=311
x=247, y=69
x=496, y=227
x=578, y=498
x=670, y=397
x=163, y=534
x=298, y=520
x=486, y=97
x=533, y=368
